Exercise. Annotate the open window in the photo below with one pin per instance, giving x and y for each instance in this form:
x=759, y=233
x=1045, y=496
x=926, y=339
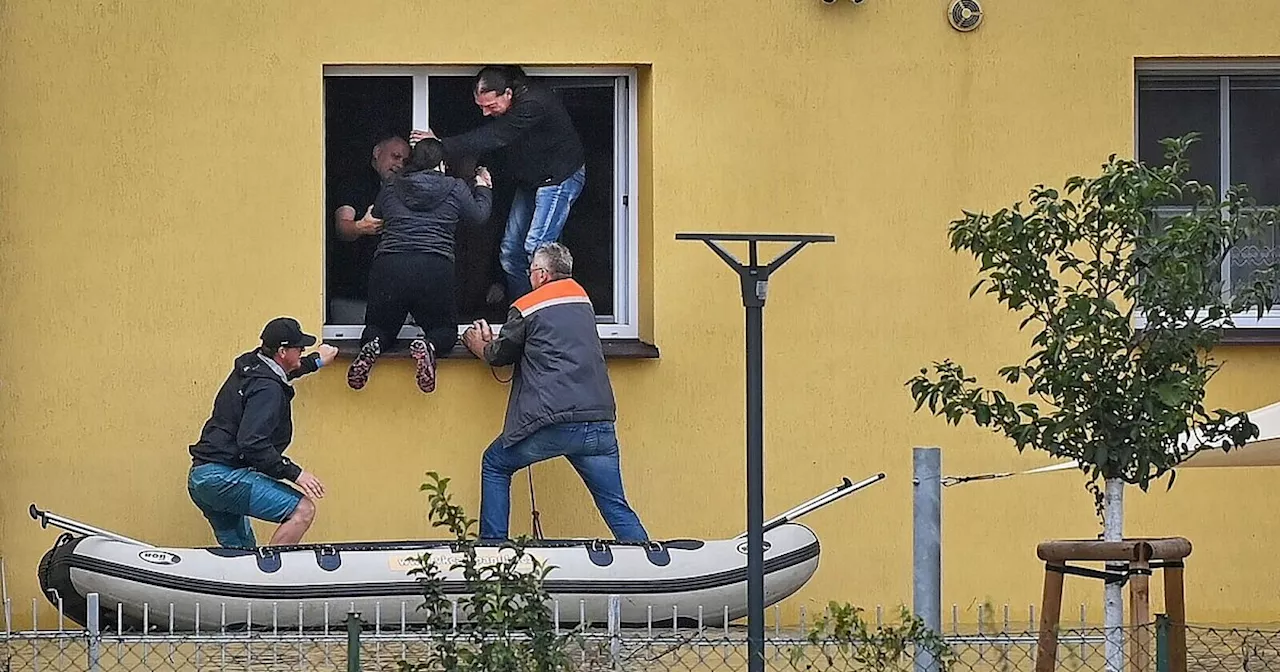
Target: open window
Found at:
x=364, y=104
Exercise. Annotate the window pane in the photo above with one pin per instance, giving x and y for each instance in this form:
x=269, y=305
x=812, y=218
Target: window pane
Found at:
x=589, y=233
x=590, y=230
x=359, y=111
x=1252, y=255
x=1172, y=107
x=1255, y=137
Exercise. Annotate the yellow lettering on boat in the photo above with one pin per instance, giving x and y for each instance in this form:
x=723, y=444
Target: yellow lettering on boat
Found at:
x=444, y=562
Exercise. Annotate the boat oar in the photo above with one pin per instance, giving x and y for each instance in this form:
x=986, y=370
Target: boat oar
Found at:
x=844, y=483
x=845, y=489
x=46, y=519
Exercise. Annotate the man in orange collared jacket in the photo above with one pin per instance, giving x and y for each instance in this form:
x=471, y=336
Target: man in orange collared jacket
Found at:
x=561, y=401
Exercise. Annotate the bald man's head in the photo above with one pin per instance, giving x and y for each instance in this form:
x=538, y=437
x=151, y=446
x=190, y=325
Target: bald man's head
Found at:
x=389, y=156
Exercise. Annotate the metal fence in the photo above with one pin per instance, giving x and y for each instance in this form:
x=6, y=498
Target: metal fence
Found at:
x=361, y=642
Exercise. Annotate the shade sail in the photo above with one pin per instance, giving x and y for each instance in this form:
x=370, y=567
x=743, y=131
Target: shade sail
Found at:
x=1261, y=451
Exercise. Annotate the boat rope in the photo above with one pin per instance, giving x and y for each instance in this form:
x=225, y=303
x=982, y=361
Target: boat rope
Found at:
x=533, y=507
x=493, y=371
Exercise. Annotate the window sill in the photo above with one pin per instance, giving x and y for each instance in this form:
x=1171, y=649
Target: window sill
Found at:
x=1250, y=336
x=614, y=348
x=1247, y=330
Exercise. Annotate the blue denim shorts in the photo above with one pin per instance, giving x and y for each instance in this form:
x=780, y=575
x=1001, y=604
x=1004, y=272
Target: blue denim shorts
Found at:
x=228, y=497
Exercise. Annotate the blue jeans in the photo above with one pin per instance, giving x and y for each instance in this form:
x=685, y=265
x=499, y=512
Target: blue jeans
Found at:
x=592, y=449
x=537, y=217
x=229, y=496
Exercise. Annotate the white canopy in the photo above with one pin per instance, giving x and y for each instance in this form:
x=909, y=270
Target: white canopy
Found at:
x=1261, y=451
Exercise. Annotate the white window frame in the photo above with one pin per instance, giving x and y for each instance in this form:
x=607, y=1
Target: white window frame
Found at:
x=1223, y=69
x=626, y=239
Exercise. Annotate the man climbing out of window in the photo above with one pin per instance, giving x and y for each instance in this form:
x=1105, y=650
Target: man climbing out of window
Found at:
x=547, y=162
x=413, y=267
x=238, y=467
x=561, y=402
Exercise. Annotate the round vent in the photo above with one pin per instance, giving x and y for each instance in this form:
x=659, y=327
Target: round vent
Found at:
x=964, y=15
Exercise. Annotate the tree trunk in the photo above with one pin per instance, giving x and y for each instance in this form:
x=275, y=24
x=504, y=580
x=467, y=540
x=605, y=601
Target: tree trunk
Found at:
x=1113, y=604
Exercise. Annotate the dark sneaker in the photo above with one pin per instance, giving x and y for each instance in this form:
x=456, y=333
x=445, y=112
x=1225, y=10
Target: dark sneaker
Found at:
x=424, y=356
x=358, y=373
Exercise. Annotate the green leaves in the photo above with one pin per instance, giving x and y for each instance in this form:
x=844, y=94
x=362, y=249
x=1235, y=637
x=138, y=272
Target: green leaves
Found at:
x=1079, y=264
x=444, y=513
x=510, y=627
x=882, y=648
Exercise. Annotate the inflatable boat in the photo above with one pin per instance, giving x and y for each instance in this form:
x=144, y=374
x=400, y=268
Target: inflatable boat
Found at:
x=313, y=586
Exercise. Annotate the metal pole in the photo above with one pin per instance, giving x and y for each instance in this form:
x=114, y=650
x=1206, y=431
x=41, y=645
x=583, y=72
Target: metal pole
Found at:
x=926, y=560
x=1162, y=643
x=47, y=518
x=93, y=630
x=753, y=297
x=615, y=630
x=755, y=283
x=353, y=641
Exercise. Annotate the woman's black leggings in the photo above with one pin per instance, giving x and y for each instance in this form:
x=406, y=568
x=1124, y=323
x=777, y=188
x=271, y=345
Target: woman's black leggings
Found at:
x=417, y=283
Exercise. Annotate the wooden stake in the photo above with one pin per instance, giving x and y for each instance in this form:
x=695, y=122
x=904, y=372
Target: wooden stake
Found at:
x=1139, y=615
x=1050, y=613
x=1176, y=607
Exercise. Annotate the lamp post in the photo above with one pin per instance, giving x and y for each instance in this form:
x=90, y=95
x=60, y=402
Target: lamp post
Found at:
x=755, y=284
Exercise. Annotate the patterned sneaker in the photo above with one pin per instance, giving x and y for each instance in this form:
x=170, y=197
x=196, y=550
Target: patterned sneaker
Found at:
x=424, y=356
x=358, y=373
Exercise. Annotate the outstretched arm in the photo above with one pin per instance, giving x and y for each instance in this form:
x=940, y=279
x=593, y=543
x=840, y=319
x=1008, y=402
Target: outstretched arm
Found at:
x=500, y=350
x=477, y=202
x=324, y=354
x=498, y=133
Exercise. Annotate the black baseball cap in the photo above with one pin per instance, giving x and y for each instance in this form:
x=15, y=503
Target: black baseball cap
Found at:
x=285, y=332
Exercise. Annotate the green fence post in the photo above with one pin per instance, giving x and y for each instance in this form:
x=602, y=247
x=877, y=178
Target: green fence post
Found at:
x=1162, y=643
x=353, y=641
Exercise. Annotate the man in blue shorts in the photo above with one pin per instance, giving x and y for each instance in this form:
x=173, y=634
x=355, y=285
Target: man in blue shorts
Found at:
x=238, y=467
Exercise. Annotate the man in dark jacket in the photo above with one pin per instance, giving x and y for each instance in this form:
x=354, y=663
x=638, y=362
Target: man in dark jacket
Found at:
x=561, y=401
x=546, y=157
x=238, y=464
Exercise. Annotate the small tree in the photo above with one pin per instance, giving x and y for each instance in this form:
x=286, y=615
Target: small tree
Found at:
x=509, y=627
x=842, y=637
x=1116, y=398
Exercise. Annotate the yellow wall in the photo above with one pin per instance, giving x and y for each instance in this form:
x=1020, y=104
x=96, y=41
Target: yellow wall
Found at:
x=161, y=187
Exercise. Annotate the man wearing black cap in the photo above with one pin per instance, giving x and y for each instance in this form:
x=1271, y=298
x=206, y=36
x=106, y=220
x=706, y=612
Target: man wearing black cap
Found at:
x=238, y=467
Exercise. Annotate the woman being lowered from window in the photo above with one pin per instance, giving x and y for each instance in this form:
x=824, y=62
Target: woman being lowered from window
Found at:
x=412, y=270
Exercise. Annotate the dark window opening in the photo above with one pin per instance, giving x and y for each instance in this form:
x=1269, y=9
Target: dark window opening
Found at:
x=360, y=110
x=1255, y=137
x=1172, y=107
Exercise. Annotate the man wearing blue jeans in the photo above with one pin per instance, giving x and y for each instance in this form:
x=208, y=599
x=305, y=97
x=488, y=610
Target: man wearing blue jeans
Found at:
x=238, y=467
x=546, y=161
x=561, y=401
